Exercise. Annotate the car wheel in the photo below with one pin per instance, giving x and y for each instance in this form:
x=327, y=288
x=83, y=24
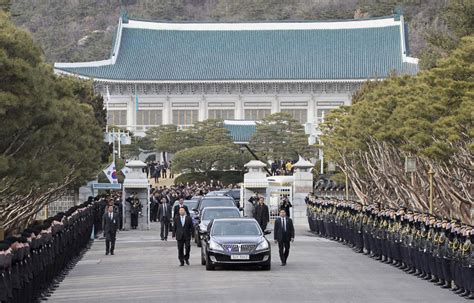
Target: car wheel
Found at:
x=196, y=238
x=209, y=265
x=199, y=244
x=203, y=259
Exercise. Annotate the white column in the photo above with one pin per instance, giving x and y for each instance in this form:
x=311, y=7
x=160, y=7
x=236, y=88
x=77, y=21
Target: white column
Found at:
x=275, y=105
x=311, y=109
x=202, y=115
x=131, y=114
x=239, y=108
x=167, y=113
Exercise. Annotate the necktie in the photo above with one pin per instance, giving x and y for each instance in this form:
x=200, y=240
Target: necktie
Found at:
x=284, y=225
x=110, y=216
x=182, y=221
x=164, y=209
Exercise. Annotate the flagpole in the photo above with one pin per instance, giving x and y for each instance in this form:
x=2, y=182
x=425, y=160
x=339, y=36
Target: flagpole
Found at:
x=136, y=107
x=107, y=110
x=118, y=141
x=113, y=146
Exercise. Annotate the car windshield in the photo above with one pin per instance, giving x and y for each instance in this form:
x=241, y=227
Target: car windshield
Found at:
x=216, y=202
x=210, y=214
x=190, y=204
x=236, y=228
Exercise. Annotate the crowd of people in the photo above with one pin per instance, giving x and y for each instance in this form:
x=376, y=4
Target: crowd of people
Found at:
x=156, y=170
x=256, y=208
x=33, y=261
x=282, y=168
x=171, y=194
x=435, y=249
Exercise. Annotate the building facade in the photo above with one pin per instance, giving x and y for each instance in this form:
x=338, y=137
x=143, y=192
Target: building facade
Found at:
x=179, y=73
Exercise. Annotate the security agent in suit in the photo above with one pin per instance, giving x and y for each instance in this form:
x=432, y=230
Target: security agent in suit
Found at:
x=164, y=216
x=261, y=213
x=182, y=229
x=178, y=206
x=110, y=224
x=284, y=233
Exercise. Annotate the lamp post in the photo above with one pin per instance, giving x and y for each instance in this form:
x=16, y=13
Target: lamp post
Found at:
x=431, y=173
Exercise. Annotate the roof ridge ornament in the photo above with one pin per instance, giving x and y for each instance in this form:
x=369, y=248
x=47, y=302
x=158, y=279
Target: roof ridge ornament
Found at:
x=397, y=13
x=124, y=15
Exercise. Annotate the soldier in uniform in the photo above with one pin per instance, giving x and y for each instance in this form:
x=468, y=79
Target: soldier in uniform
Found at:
x=5, y=271
x=135, y=208
x=469, y=264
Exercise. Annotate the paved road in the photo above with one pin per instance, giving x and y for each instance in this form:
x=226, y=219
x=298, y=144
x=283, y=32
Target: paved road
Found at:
x=146, y=269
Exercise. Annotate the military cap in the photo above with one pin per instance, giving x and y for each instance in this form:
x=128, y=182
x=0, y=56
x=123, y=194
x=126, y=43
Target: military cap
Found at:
x=4, y=245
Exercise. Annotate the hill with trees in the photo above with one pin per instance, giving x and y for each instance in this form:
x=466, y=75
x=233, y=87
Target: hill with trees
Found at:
x=83, y=30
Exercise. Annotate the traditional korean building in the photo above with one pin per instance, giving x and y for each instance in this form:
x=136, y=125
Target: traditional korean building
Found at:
x=183, y=72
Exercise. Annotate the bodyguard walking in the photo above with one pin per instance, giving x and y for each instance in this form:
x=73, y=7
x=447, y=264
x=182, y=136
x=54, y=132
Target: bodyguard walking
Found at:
x=284, y=233
x=110, y=222
x=164, y=216
x=182, y=229
x=261, y=214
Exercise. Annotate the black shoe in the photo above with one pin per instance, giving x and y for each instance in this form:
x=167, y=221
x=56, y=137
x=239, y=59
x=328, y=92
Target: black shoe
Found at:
x=446, y=285
x=465, y=293
x=107, y=253
x=112, y=253
x=187, y=262
x=162, y=239
x=182, y=264
x=166, y=239
x=470, y=297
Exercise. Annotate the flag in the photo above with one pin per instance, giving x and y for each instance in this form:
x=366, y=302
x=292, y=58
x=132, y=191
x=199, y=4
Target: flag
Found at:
x=125, y=171
x=111, y=173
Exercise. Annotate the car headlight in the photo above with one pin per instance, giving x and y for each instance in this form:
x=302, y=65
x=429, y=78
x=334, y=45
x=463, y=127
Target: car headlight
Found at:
x=262, y=245
x=213, y=245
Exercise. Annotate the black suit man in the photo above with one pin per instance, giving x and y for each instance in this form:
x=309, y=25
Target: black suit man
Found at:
x=110, y=223
x=164, y=216
x=284, y=233
x=182, y=229
x=261, y=213
x=178, y=206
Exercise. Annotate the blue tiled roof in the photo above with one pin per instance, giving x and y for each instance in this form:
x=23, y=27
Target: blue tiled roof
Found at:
x=301, y=54
x=241, y=133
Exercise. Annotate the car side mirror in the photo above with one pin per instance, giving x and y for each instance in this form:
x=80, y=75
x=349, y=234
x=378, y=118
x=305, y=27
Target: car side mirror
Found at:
x=267, y=232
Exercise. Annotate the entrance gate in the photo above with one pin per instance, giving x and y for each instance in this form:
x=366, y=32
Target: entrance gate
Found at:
x=274, y=197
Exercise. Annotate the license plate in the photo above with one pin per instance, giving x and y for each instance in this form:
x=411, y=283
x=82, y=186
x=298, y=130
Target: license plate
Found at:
x=239, y=257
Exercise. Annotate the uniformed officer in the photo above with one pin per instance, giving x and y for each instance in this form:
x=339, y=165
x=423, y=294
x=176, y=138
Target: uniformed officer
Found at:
x=434, y=249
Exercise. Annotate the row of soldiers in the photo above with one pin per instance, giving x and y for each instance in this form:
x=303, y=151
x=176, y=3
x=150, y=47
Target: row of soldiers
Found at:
x=434, y=249
x=33, y=262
